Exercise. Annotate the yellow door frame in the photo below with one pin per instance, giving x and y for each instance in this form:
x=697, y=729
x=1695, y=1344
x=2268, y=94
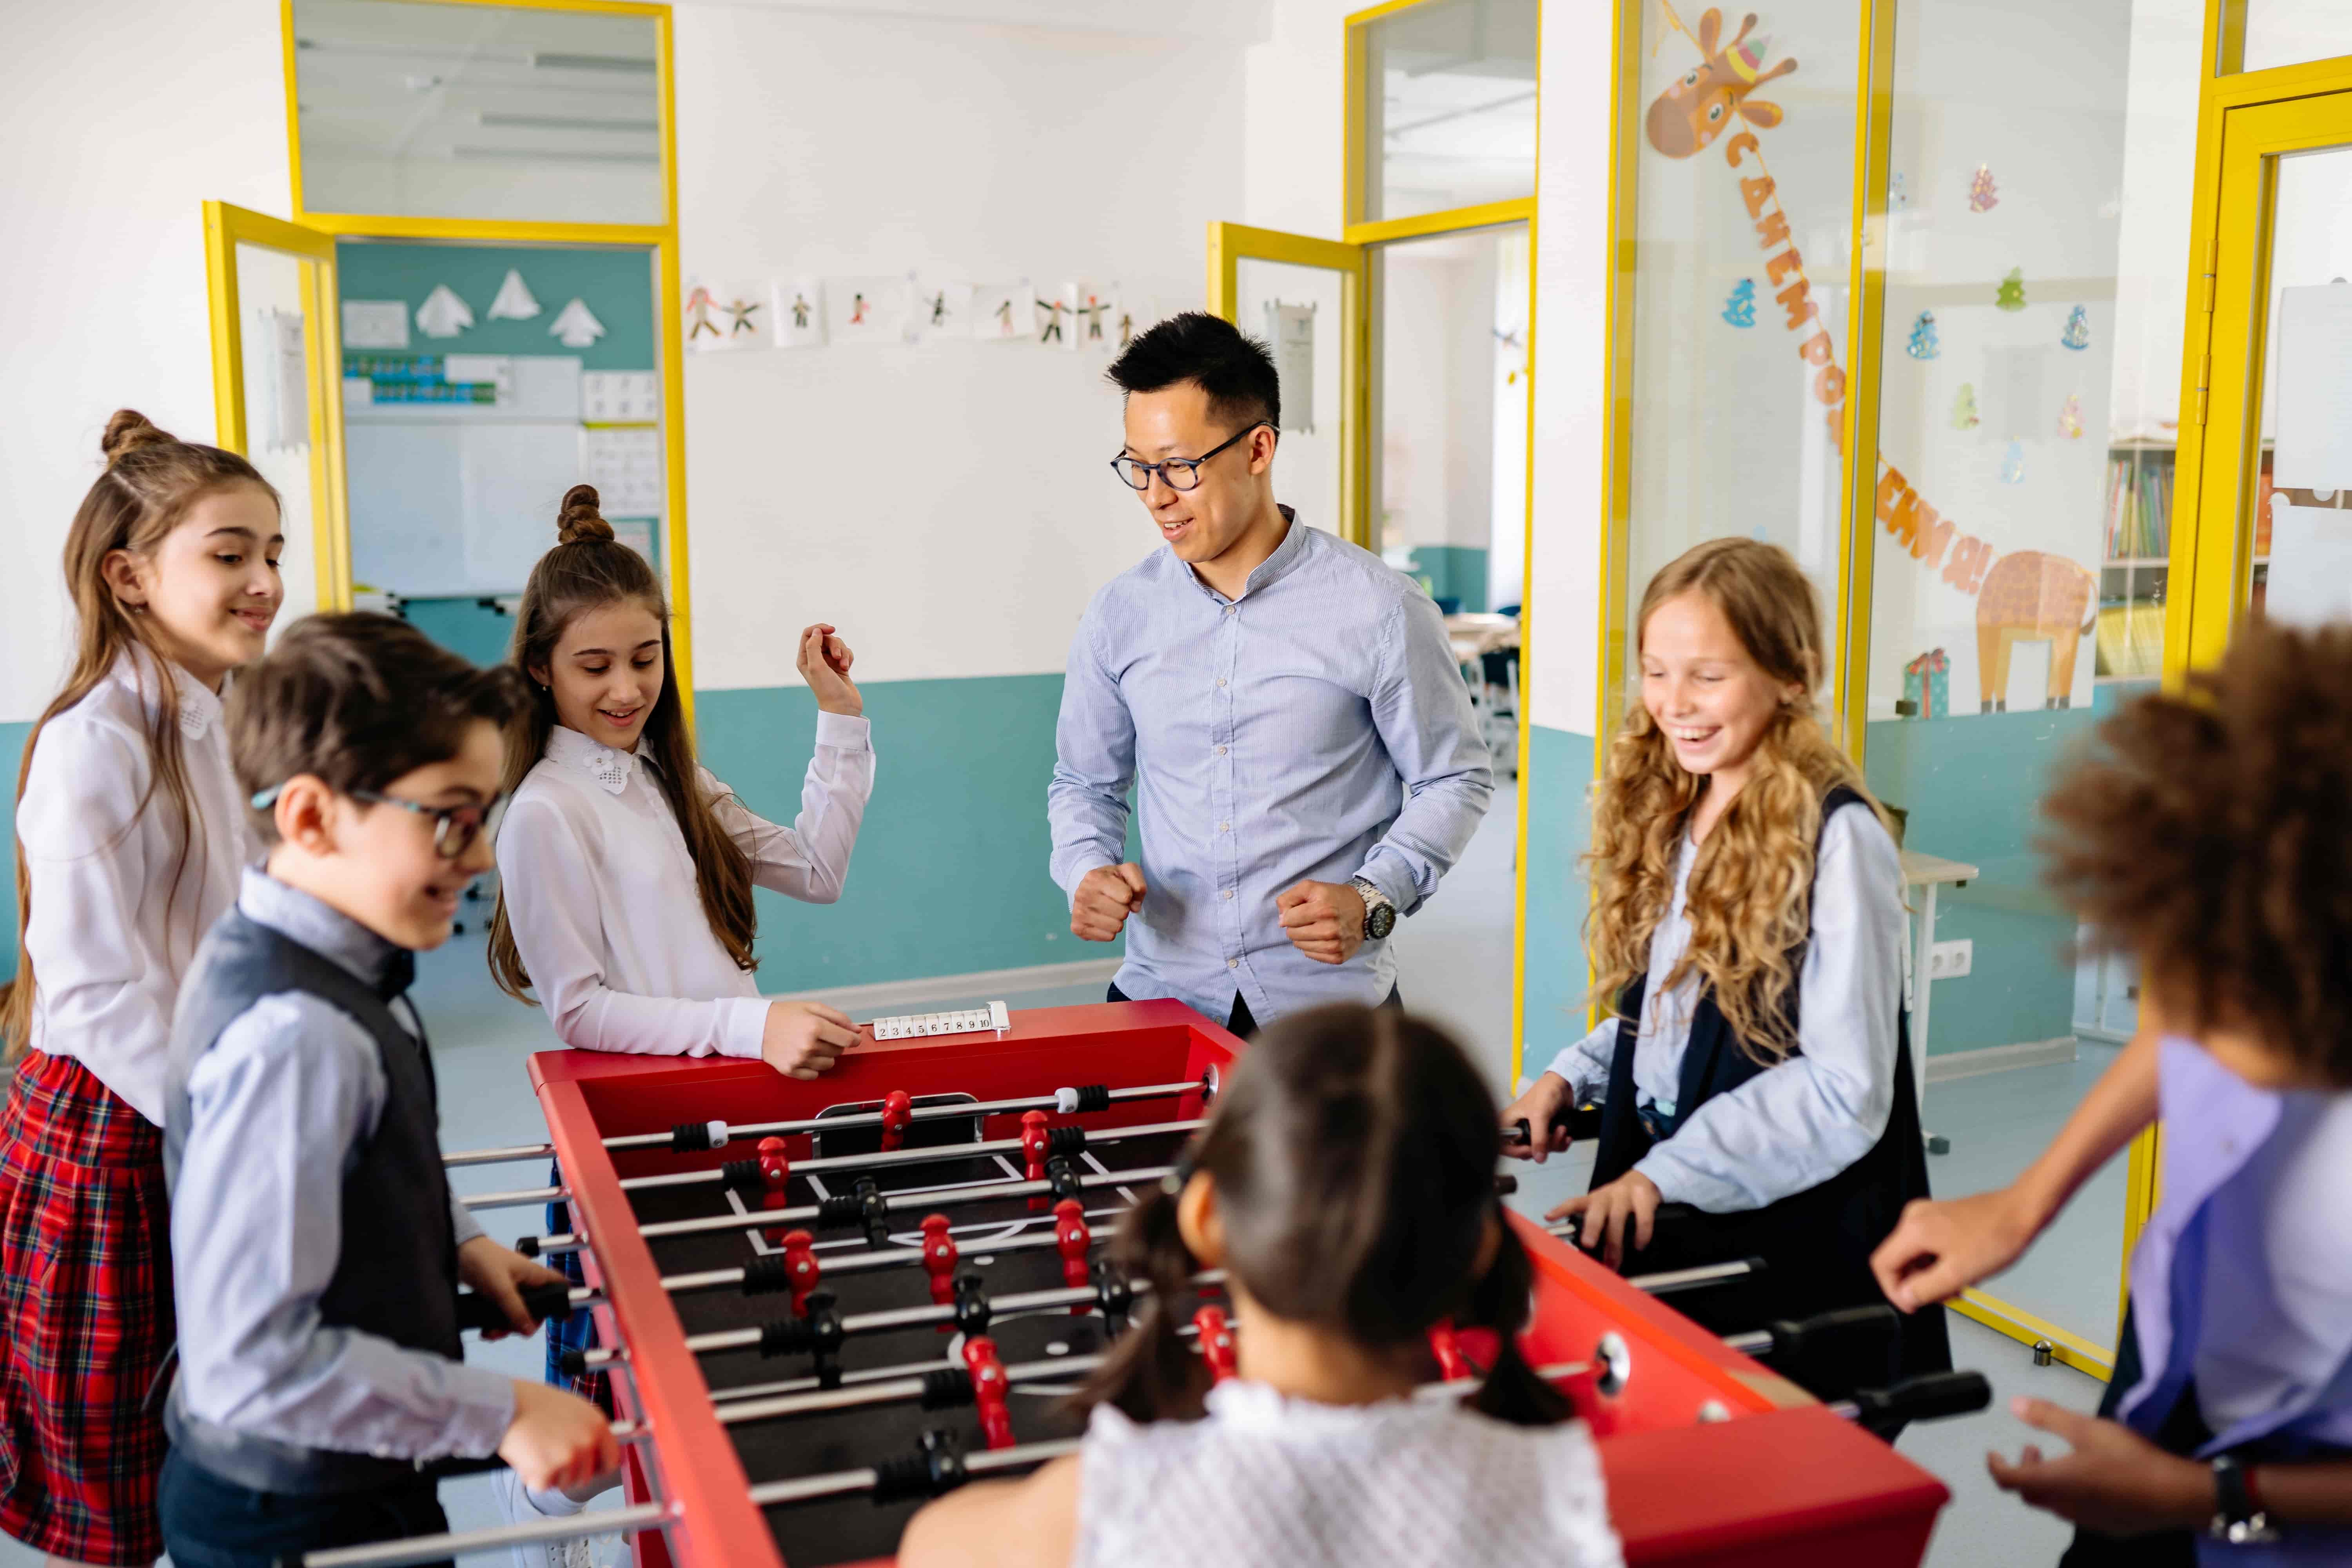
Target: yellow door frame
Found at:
x=659, y=238
x=225, y=228
x=1230, y=244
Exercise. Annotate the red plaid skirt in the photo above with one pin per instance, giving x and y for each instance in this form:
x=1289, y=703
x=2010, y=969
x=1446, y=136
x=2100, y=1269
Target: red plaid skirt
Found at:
x=86, y=1316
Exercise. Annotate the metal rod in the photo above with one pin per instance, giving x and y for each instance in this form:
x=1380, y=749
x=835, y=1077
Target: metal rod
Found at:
x=894, y=1203
x=466, y=1543
x=824, y=1123
x=934, y=1155
x=897, y=1258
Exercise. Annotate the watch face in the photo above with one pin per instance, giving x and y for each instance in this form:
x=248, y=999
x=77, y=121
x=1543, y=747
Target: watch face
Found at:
x=1379, y=921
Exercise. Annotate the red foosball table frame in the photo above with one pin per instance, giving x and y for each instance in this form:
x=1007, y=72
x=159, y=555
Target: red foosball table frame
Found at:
x=1711, y=1459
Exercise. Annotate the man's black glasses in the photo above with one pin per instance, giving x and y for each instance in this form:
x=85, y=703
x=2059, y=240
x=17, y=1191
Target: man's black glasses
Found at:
x=1182, y=473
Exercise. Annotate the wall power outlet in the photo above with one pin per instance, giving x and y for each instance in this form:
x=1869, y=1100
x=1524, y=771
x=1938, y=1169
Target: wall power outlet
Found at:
x=1950, y=960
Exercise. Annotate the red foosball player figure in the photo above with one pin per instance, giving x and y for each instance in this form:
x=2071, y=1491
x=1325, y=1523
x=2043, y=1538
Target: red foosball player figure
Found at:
x=1074, y=1240
x=801, y=1265
x=1447, y=1349
x=1216, y=1342
x=898, y=1115
x=988, y=1385
x=939, y=1258
x=775, y=1170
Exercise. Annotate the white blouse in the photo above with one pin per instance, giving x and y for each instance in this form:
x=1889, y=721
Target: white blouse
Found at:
x=112, y=933
x=600, y=889
x=1797, y=1124
x=1268, y=1479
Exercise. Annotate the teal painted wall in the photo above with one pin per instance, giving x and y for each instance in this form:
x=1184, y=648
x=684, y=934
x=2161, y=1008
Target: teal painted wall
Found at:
x=463, y=626
x=11, y=757
x=1453, y=572
x=1971, y=786
x=949, y=872
x=1555, y=772
x=617, y=283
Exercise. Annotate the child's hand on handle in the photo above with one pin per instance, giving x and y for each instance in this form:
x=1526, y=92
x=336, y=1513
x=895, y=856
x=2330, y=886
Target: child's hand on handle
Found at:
x=557, y=1439
x=1545, y=1100
x=1633, y=1198
x=805, y=1038
x=824, y=660
x=502, y=1274
x=1939, y=1250
x=1105, y=897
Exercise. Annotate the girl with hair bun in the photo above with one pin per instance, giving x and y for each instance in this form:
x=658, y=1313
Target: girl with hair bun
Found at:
x=1746, y=933
x=131, y=834
x=625, y=869
x=1346, y=1185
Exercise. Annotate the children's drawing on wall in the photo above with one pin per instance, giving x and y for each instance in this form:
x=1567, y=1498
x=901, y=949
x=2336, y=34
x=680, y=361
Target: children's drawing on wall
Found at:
x=1090, y=320
x=943, y=309
x=576, y=326
x=1964, y=407
x=1983, y=196
x=2010, y=295
x=740, y=307
x=2013, y=464
x=1927, y=687
x=514, y=302
x=2029, y=596
x=1053, y=321
x=443, y=314
x=1898, y=193
x=1004, y=312
x=1697, y=110
x=796, y=312
x=1923, y=337
x=867, y=309
x=2077, y=335
x=2070, y=417
x=1739, y=309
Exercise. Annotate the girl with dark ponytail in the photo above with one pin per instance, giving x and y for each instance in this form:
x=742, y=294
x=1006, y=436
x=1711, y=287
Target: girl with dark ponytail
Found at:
x=1344, y=1182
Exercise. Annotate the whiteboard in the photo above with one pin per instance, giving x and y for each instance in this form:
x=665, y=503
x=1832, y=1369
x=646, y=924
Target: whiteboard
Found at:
x=456, y=509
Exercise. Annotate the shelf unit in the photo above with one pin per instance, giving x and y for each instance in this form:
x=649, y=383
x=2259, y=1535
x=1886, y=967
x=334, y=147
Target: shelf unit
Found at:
x=2134, y=568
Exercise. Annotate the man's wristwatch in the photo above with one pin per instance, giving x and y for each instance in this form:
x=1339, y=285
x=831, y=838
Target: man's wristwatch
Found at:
x=1380, y=915
x=2238, y=1519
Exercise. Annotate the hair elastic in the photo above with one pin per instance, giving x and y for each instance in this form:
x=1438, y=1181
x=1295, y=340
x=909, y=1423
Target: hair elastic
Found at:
x=1179, y=1175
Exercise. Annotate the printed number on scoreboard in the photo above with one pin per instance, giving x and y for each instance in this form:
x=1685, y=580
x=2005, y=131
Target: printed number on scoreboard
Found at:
x=968, y=1020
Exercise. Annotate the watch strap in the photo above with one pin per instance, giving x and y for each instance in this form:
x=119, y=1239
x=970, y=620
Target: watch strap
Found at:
x=2237, y=1517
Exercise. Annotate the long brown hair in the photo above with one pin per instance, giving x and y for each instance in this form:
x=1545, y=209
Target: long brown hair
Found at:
x=149, y=482
x=587, y=570
x=1354, y=1158
x=1751, y=894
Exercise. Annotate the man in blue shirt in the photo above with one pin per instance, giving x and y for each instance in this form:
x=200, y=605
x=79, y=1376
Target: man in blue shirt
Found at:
x=1283, y=705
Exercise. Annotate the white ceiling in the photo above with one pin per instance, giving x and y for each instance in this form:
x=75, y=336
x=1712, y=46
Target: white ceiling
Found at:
x=1236, y=22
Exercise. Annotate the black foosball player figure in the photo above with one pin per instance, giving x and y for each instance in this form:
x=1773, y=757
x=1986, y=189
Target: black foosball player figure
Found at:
x=1345, y=1183
x=1746, y=934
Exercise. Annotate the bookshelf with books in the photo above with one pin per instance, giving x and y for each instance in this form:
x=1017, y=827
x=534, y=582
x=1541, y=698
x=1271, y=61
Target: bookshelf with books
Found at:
x=2137, y=548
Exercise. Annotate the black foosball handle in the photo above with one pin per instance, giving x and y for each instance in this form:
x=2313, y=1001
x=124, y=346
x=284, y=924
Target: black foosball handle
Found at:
x=1927, y=1397
x=1805, y=1337
x=478, y=1311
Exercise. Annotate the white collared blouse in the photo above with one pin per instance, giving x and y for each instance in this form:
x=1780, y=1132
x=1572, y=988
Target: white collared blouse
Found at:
x=601, y=892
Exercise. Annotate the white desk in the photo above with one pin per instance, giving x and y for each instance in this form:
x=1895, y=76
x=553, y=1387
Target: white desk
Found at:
x=1926, y=873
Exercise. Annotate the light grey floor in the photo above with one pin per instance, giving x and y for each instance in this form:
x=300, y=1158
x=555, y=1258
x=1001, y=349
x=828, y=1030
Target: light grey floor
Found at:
x=1454, y=964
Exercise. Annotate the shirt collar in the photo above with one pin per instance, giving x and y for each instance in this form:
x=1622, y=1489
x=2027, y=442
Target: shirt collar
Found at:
x=1287, y=555
x=200, y=707
x=327, y=931
x=610, y=769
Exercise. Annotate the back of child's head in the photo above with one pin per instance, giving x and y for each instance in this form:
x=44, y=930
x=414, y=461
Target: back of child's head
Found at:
x=151, y=481
x=1744, y=922
x=2208, y=832
x=588, y=570
x=358, y=700
x=1353, y=1156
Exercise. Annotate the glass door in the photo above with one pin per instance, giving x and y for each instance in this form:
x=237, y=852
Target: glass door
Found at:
x=277, y=387
x=1305, y=296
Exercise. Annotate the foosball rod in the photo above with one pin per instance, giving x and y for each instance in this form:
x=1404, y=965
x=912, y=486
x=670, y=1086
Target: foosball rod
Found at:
x=882, y=1203
x=935, y=1155
x=690, y=1136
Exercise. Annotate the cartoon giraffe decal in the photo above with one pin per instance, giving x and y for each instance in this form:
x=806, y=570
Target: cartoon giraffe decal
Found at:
x=1703, y=104
x=2029, y=596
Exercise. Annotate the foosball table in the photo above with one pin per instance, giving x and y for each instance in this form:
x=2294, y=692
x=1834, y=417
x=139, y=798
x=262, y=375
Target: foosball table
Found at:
x=823, y=1302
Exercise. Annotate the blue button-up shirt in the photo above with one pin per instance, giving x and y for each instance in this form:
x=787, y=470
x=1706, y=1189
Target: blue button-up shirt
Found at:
x=1315, y=729
x=2244, y=1278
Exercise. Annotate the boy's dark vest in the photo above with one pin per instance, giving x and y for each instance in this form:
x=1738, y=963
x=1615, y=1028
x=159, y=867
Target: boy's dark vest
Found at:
x=1816, y=1244
x=397, y=1277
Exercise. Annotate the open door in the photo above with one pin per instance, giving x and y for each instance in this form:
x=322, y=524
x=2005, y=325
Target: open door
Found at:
x=1308, y=298
x=278, y=386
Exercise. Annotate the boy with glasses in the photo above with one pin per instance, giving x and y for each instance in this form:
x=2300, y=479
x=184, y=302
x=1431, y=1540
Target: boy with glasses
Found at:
x=1283, y=706
x=316, y=1248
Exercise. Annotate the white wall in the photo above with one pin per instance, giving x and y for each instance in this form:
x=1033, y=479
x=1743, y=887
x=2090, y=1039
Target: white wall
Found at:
x=118, y=125
x=1295, y=87
x=948, y=503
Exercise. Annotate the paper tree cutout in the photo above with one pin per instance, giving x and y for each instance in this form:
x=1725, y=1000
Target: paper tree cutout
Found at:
x=2069, y=418
x=1983, y=196
x=1898, y=193
x=1740, y=308
x=576, y=326
x=1964, y=408
x=2012, y=294
x=514, y=302
x=2077, y=335
x=443, y=314
x=1923, y=344
x=2013, y=464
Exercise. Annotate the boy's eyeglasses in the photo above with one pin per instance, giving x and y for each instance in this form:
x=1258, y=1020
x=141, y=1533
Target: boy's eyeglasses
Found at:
x=455, y=827
x=1182, y=473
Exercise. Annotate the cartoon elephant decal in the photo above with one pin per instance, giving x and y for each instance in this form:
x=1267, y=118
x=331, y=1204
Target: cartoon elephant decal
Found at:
x=2029, y=596
x=1703, y=104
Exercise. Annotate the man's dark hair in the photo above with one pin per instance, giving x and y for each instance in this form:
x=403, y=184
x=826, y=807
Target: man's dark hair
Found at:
x=357, y=701
x=1234, y=369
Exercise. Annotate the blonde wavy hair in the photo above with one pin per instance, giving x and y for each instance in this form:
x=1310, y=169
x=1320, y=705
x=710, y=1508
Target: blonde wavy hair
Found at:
x=1750, y=897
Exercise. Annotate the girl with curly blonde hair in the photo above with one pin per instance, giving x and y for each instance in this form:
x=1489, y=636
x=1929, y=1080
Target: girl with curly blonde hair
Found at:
x=1746, y=931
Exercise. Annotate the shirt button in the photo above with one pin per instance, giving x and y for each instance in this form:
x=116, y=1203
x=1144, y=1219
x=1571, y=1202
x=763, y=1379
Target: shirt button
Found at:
x=1221, y=751
x=1229, y=892
x=1233, y=609
x=1233, y=964
x=1225, y=827
x=1221, y=681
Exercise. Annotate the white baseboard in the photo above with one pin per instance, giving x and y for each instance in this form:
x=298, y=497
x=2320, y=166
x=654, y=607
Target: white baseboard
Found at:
x=2002, y=1059
x=993, y=983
